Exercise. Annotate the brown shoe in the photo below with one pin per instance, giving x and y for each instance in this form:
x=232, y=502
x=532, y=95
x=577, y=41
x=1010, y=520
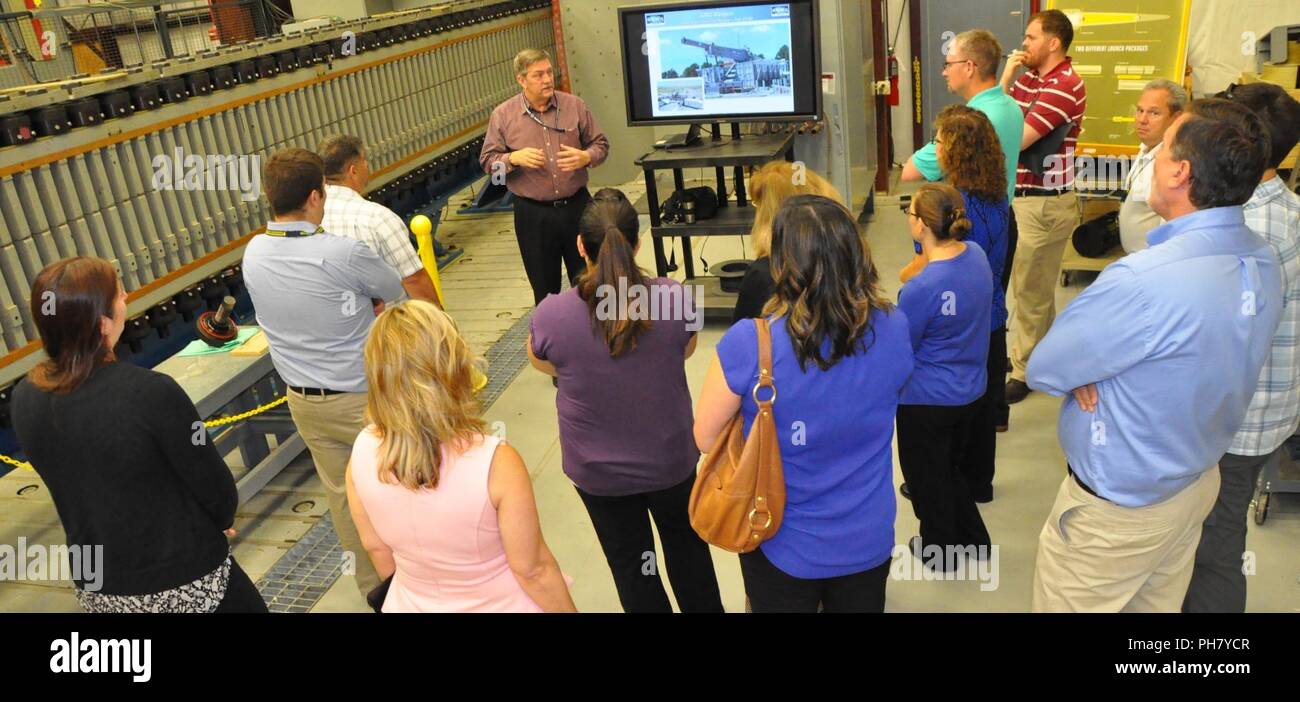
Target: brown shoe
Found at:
x=1016, y=391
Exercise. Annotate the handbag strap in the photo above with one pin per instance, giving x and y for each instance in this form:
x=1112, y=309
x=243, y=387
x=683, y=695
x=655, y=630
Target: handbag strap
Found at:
x=761, y=510
x=764, y=334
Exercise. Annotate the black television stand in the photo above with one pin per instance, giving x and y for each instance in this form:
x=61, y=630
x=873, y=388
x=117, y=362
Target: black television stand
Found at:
x=734, y=218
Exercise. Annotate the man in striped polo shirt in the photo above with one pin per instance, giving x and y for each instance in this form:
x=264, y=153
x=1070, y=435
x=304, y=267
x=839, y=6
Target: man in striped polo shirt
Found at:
x=1050, y=94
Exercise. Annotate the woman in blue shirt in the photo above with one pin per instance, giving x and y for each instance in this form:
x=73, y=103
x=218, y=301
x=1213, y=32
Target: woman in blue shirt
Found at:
x=840, y=356
x=947, y=309
x=968, y=153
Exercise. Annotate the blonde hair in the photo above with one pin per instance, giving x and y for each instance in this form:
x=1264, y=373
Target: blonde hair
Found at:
x=528, y=57
x=770, y=186
x=420, y=372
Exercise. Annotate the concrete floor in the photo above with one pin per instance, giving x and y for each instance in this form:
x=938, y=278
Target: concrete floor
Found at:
x=487, y=292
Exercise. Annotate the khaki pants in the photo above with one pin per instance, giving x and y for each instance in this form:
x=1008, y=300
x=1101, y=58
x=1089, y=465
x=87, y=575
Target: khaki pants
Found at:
x=1095, y=556
x=1045, y=224
x=329, y=425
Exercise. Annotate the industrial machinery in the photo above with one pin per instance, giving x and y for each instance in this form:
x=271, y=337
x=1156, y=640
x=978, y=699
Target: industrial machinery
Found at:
x=218, y=327
x=740, y=70
x=153, y=162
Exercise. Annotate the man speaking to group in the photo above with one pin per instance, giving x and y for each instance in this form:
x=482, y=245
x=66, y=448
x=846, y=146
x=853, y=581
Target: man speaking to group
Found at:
x=542, y=142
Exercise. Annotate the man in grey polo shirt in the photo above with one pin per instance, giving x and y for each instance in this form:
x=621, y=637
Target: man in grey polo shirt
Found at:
x=316, y=296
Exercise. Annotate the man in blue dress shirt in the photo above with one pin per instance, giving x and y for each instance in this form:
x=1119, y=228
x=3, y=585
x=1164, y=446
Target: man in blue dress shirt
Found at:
x=317, y=295
x=1158, y=360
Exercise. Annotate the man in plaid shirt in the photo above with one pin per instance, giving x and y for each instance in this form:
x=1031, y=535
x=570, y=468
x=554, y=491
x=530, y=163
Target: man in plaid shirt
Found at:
x=1273, y=212
x=349, y=214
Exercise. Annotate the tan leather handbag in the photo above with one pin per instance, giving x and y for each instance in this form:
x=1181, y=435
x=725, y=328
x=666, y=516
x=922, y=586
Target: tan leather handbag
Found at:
x=739, y=494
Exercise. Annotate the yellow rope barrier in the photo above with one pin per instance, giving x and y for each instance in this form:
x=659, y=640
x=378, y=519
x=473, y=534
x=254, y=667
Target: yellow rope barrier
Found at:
x=15, y=462
x=212, y=423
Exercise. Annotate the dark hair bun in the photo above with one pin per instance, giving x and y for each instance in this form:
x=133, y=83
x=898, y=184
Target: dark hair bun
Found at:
x=960, y=226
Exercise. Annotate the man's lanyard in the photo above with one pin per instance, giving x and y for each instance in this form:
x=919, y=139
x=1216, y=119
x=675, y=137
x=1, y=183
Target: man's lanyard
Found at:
x=529, y=109
x=1146, y=160
x=292, y=230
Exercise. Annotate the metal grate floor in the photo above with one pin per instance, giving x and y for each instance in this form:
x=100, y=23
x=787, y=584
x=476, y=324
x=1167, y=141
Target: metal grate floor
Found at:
x=302, y=576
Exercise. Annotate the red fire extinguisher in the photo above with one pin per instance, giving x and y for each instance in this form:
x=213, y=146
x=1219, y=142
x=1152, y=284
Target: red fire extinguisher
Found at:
x=892, y=63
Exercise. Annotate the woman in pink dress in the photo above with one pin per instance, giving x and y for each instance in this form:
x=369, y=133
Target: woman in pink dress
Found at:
x=444, y=506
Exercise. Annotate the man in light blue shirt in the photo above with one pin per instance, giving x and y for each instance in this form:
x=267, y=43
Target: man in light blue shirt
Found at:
x=316, y=296
x=971, y=72
x=1158, y=360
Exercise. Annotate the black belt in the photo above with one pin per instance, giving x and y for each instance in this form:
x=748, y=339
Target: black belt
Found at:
x=319, y=392
x=1082, y=484
x=561, y=202
x=1039, y=192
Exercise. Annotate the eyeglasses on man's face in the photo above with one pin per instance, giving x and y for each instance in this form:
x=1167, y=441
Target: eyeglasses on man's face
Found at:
x=946, y=64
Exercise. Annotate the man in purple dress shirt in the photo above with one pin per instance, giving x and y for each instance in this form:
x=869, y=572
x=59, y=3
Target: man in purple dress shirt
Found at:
x=540, y=145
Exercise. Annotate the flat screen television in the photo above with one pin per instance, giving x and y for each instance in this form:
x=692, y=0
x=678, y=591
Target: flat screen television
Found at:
x=721, y=61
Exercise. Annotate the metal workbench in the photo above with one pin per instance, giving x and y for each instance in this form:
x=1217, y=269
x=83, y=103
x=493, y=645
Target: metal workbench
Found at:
x=221, y=385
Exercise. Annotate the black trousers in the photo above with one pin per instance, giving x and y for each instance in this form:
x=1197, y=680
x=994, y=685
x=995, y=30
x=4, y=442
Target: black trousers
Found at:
x=1013, y=236
x=771, y=589
x=623, y=528
x=1217, y=584
x=977, y=459
x=1003, y=415
x=930, y=440
x=547, y=236
x=241, y=593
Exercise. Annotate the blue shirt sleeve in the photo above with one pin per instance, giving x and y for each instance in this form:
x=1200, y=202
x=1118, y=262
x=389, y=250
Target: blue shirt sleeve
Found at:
x=1105, y=331
x=913, y=300
x=738, y=355
x=927, y=162
x=377, y=278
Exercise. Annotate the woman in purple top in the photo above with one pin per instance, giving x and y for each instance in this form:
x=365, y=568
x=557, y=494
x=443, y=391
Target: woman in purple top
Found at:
x=618, y=343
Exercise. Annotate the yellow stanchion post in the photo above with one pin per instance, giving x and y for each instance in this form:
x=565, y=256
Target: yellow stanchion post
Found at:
x=422, y=228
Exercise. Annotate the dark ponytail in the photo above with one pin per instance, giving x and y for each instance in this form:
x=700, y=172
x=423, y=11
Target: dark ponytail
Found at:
x=609, y=228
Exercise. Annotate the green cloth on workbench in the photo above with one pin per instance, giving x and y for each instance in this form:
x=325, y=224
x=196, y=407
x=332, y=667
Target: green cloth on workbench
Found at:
x=199, y=347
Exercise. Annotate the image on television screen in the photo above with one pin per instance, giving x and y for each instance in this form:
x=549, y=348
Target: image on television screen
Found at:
x=680, y=94
x=730, y=60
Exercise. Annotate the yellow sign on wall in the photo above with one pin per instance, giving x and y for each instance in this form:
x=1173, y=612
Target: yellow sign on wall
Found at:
x=1119, y=46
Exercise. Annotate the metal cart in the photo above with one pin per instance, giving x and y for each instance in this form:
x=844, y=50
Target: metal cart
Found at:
x=1281, y=476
